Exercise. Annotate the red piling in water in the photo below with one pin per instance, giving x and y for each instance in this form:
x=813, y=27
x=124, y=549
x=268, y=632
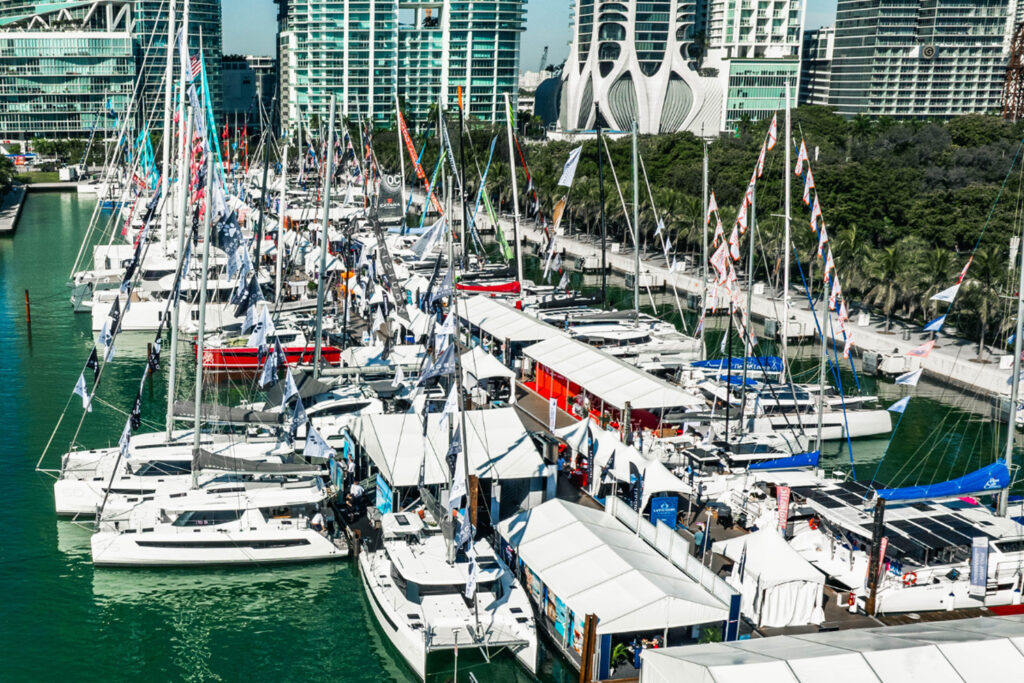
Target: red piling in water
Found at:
x=28, y=309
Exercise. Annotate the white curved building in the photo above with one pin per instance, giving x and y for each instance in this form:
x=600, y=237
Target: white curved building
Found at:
x=638, y=60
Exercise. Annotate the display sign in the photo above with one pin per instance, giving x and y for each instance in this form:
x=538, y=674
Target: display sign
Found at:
x=389, y=198
x=665, y=509
x=384, y=496
x=552, y=412
x=979, y=566
x=782, y=500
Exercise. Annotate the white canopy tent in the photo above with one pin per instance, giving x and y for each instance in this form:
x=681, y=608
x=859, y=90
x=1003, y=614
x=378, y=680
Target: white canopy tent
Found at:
x=366, y=356
x=497, y=443
x=596, y=565
x=612, y=380
x=978, y=650
x=478, y=366
x=779, y=587
x=502, y=322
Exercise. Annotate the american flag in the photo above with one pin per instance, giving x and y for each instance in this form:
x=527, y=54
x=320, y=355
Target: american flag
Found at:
x=196, y=66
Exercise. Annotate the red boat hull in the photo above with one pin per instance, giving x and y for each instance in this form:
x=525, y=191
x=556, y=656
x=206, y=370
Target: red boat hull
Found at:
x=246, y=358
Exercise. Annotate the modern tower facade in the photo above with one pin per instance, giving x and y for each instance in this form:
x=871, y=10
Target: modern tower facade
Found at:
x=920, y=58
x=367, y=51
x=816, y=65
x=63, y=68
x=638, y=60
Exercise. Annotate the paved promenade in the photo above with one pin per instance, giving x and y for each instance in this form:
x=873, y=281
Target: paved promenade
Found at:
x=10, y=209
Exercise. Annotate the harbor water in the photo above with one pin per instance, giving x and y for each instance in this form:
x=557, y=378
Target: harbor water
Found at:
x=62, y=619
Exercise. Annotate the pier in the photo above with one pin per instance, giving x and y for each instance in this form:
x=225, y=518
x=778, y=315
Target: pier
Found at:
x=10, y=209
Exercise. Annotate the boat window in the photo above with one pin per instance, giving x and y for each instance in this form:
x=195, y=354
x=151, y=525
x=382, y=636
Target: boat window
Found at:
x=287, y=338
x=207, y=517
x=156, y=468
x=1010, y=546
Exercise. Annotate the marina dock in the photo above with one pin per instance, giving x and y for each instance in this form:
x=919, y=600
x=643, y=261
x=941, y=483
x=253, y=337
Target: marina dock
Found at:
x=10, y=209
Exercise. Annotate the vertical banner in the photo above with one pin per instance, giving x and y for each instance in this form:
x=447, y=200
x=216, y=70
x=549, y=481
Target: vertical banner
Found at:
x=782, y=501
x=881, y=557
x=384, y=496
x=552, y=413
x=979, y=565
x=665, y=509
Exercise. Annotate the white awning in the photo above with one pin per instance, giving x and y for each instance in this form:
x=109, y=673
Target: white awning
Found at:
x=498, y=446
x=479, y=364
x=979, y=649
x=612, y=380
x=501, y=321
x=595, y=565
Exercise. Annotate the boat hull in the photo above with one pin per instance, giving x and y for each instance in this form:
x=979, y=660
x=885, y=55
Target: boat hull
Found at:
x=247, y=358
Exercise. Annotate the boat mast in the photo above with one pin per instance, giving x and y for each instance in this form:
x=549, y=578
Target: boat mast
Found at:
x=747, y=331
x=704, y=249
x=824, y=355
x=600, y=191
x=165, y=184
x=515, y=196
x=175, y=292
x=636, y=231
x=329, y=171
x=281, y=214
x=1011, y=424
x=197, y=412
x=401, y=159
x=786, y=236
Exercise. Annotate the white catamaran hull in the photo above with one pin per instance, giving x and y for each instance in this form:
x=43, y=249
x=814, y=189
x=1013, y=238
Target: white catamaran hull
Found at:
x=855, y=423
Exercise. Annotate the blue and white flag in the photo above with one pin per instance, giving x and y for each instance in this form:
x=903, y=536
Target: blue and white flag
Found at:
x=270, y=366
x=316, y=447
x=935, y=325
x=83, y=391
x=947, y=295
x=899, y=406
x=289, y=388
x=910, y=378
x=298, y=419
x=472, y=575
x=569, y=170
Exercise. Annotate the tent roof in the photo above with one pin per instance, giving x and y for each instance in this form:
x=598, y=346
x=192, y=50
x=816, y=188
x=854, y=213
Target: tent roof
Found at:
x=501, y=321
x=364, y=356
x=480, y=364
x=608, y=442
x=593, y=563
x=769, y=558
x=498, y=445
x=603, y=375
x=979, y=649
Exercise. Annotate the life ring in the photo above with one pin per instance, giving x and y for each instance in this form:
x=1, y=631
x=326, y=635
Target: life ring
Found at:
x=909, y=579
x=813, y=524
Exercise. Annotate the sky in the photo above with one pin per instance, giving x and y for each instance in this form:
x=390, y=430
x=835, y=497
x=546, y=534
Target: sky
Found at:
x=250, y=26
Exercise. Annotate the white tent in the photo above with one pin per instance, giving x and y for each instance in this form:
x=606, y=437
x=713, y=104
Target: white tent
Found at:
x=498, y=446
x=500, y=321
x=978, y=650
x=478, y=365
x=608, y=443
x=779, y=587
x=596, y=565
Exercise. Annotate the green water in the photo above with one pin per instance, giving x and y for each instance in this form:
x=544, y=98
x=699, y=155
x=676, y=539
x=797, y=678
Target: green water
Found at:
x=62, y=619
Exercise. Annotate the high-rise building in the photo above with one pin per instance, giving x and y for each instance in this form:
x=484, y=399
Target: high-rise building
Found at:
x=638, y=60
x=816, y=65
x=920, y=58
x=65, y=70
x=249, y=89
x=204, y=29
x=755, y=46
x=367, y=51
x=697, y=65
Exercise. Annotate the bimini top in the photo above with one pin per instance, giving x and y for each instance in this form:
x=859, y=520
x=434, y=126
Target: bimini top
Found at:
x=980, y=649
x=498, y=446
x=596, y=565
x=500, y=321
x=607, y=377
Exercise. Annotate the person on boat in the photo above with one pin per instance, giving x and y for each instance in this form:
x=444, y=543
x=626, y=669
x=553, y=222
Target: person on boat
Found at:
x=698, y=541
x=317, y=522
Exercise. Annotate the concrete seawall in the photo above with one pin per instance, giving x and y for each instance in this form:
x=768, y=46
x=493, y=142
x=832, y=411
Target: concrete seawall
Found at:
x=10, y=209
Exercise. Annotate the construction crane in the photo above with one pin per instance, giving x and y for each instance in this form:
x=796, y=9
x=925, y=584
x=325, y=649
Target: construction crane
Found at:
x=1013, y=85
x=543, y=59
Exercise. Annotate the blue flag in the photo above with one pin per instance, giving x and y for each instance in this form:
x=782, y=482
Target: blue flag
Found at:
x=935, y=325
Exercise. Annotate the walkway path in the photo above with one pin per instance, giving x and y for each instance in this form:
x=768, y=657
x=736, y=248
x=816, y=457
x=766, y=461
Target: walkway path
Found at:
x=10, y=209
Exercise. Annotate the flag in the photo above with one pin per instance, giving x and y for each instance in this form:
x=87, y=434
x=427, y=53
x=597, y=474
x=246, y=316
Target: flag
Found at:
x=712, y=208
x=910, y=378
x=830, y=264
x=822, y=239
x=446, y=288
x=247, y=299
x=719, y=232
x=466, y=529
x=847, y=346
x=93, y=364
x=83, y=391
x=947, y=295
x=636, y=487
x=298, y=418
x=316, y=447
x=135, y=416
x=444, y=365
x=801, y=157
x=773, y=132
x=448, y=326
x=609, y=466
x=935, y=325
x=808, y=186
x=451, y=404
x=458, y=483
x=741, y=570
x=125, y=441
x=569, y=170
x=563, y=282
x=661, y=226
x=815, y=213
x=270, y=366
x=760, y=161
x=471, y=575
x=963, y=273
x=741, y=217
x=399, y=377
x=921, y=351
x=263, y=327
x=153, y=362
x=734, y=244
x=290, y=389
x=455, y=444
x=195, y=69
x=899, y=406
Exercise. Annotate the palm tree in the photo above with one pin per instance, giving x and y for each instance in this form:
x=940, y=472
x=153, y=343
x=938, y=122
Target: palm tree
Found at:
x=887, y=275
x=986, y=279
x=934, y=271
x=853, y=254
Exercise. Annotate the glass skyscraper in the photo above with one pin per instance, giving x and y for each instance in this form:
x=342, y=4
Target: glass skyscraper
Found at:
x=919, y=58
x=63, y=69
x=367, y=51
